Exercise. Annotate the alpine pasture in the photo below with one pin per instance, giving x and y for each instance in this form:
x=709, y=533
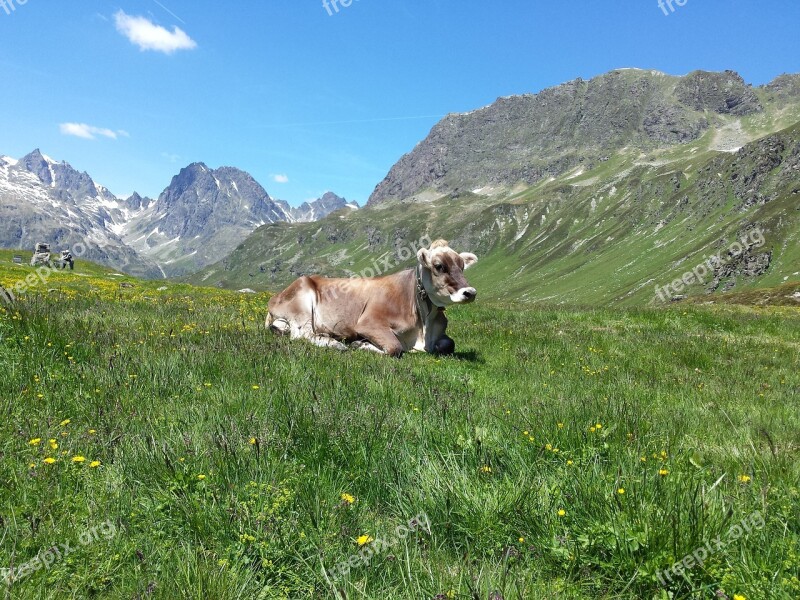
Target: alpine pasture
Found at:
x=561, y=453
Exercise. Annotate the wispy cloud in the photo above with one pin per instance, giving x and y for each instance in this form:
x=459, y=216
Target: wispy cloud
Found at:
x=145, y=34
x=173, y=158
x=280, y=178
x=90, y=132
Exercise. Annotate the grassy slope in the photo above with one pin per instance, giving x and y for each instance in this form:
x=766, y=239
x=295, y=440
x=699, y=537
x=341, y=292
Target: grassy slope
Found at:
x=165, y=387
x=604, y=237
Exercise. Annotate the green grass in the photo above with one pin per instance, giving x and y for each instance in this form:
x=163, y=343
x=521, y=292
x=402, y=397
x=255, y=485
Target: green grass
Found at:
x=224, y=451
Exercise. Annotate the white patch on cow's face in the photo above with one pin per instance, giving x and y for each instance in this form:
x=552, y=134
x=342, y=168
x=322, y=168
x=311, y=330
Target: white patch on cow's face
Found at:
x=443, y=275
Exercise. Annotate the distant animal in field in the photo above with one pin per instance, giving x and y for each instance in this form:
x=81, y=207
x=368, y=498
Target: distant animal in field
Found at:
x=390, y=315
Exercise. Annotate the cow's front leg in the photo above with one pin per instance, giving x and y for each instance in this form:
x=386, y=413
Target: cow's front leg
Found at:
x=382, y=339
x=444, y=346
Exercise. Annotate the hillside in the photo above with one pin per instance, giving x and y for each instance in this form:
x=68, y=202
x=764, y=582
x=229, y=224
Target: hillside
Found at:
x=522, y=140
x=607, y=233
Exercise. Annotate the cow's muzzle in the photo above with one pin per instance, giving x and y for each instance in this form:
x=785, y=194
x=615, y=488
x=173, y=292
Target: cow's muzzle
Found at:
x=464, y=295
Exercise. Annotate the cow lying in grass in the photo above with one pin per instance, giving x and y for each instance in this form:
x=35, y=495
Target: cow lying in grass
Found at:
x=390, y=314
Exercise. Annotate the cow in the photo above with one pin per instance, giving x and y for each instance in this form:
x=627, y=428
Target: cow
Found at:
x=392, y=314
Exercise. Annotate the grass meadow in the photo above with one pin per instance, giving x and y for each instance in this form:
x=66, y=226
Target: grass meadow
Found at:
x=167, y=446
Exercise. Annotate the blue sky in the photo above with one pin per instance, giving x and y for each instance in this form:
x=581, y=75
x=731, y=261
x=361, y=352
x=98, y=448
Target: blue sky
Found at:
x=308, y=101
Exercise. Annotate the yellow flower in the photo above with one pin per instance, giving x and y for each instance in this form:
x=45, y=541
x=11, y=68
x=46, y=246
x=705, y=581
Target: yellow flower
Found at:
x=592, y=429
x=348, y=498
x=32, y=465
x=201, y=477
x=522, y=540
x=548, y=446
x=598, y=426
x=364, y=540
x=49, y=460
x=92, y=431
x=255, y=387
x=642, y=459
x=561, y=512
x=663, y=472
x=53, y=444
x=94, y=464
x=569, y=463
x=621, y=491
x=35, y=442
x=561, y=426
x=525, y=433
x=739, y=597
x=78, y=459
x=486, y=469
x=744, y=478
x=252, y=441
x=64, y=423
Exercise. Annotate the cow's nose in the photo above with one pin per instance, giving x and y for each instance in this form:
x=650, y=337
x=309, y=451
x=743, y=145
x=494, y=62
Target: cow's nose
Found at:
x=469, y=293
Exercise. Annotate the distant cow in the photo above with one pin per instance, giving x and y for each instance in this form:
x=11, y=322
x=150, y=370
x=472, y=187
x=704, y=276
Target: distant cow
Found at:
x=391, y=314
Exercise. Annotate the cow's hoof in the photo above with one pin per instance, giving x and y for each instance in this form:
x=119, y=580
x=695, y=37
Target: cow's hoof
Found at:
x=444, y=346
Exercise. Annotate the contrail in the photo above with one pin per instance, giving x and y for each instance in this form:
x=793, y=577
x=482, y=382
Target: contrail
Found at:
x=170, y=12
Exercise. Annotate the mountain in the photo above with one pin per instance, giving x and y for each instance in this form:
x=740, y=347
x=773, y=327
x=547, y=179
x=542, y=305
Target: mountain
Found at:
x=319, y=208
x=42, y=200
x=197, y=220
x=634, y=196
x=200, y=217
x=522, y=140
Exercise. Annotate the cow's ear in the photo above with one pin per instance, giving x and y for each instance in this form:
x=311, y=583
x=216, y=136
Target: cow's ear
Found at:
x=424, y=257
x=469, y=259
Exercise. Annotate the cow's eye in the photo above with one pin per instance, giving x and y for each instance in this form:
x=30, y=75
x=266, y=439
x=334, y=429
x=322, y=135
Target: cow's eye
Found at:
x=439, y=268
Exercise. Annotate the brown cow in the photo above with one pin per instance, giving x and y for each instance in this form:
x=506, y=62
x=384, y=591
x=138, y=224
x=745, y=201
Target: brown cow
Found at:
x=391, y=314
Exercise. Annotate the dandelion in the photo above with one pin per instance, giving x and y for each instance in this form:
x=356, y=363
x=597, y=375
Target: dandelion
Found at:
x=592, y=429
x=486, y=469
x=739, y=597
x=561, y=426
x=35, y=442
x=526, y=433
x=561, y=512
x=621, y=491
x=53, y=444
x=252, y=441
x=522, y=540
x=201, y=477
x=49, y=460
x=598, y=426
x=94, y=464
x=569, y=463
x=363, y=540
x=744, y=478
x=348, y=499
x=548, y=447
x=78, y=459
x=255, y=387
x=643, y=459
x=31, y=465
x=92, y=431
x=64, y=423
x=663, y=472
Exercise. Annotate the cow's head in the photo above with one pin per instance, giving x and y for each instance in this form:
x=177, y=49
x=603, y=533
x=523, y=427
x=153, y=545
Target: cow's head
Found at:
x=442, y=272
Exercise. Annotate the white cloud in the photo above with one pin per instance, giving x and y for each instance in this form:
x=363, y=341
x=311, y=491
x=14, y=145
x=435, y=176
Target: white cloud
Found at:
x=280, y=178
x=90, y=132
x=148, y=36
